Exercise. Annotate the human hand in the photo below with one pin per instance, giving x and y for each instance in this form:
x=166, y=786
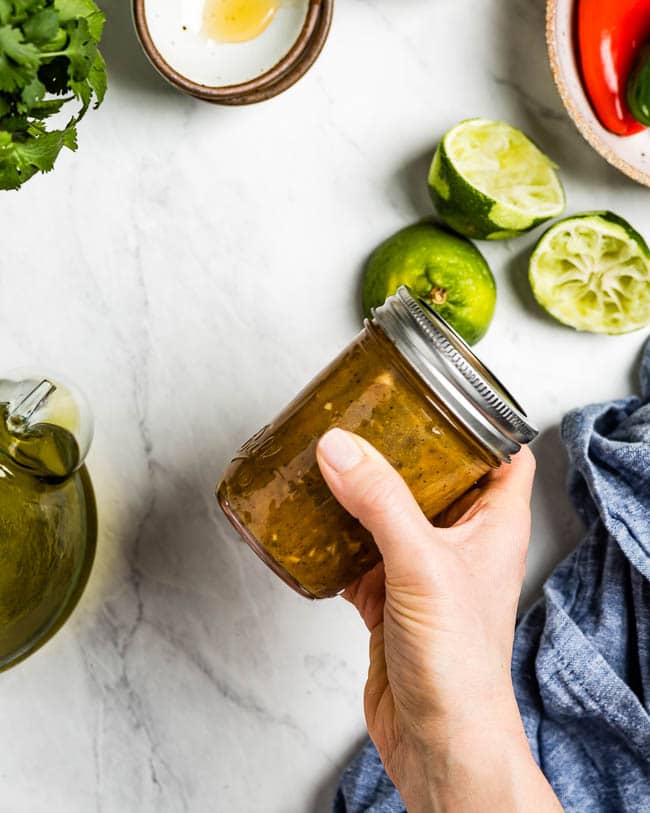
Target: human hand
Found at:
x=441, y=609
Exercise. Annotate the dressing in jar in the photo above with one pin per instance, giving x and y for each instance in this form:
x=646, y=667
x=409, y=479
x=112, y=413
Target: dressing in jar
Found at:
x=410, y=386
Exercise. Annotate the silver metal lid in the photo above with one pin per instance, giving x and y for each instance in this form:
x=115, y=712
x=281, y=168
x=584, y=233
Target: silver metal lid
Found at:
x=456, y=376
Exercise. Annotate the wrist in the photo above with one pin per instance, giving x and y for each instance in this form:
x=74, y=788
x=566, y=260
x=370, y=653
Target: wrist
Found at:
x=487, y=767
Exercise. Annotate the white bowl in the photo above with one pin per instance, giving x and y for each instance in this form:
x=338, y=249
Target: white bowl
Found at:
x=629, y=154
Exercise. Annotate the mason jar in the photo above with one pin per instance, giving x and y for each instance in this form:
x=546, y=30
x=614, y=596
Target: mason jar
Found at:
x=410, y=386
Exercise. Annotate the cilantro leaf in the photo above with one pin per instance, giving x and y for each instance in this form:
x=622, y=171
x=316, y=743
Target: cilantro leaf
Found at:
x=14, y=123
x=42, y=150
x=57, y=42
x=42, y=27
x=21, y=159
x=31, y=95
x=48, y=57
x=10, y=175
x=95, y=82
x=6, y=11
x=23, y=9
x=96, y=23
x=81, y=50
x=97, y=78
x=82, y=9
x=19, y=60
x=84, y=92
x=48, y=107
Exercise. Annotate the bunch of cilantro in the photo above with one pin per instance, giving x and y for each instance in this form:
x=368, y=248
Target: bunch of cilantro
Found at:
x=48, y=57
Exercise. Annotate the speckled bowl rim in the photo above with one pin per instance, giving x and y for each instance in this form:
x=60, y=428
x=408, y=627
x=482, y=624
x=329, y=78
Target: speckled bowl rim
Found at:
x=286, y=72
x=586, y=130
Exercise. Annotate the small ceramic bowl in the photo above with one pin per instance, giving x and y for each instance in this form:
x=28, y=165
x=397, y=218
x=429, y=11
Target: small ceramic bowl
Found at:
x=290, y=67
x=629, y=154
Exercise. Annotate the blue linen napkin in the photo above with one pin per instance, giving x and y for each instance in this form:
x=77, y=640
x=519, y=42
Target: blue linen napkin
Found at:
x=581, y=662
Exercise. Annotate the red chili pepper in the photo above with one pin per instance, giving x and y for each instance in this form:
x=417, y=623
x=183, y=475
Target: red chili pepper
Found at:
x=610, y=33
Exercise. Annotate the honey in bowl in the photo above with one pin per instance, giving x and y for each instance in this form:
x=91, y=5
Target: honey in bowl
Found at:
x=221, y=43
x=238, y=20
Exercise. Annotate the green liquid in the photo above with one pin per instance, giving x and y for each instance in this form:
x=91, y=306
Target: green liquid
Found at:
x=47, y=535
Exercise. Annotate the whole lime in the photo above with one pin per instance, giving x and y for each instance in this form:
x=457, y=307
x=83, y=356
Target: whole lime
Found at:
x=445, y=270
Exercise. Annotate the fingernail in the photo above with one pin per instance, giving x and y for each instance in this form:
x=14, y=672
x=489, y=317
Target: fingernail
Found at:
x=339, y=451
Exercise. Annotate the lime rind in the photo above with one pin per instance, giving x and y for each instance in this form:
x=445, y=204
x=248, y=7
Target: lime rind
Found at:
x=489, y=181
x=437, y=177
x=592, y=272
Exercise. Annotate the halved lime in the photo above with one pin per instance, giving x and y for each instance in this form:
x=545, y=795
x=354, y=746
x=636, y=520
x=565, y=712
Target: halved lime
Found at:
x=592, y=272
x=445, y=270
x=489, y=181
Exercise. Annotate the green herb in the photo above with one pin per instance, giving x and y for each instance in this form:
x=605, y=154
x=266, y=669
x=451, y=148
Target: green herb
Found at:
x=48, y=57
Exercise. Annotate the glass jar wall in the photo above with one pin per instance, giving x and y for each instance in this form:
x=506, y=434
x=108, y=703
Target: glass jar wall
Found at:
x=273, y=491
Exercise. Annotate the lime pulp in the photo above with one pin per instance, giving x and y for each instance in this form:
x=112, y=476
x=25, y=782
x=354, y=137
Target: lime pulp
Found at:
x=592, y=272
x=489, y=181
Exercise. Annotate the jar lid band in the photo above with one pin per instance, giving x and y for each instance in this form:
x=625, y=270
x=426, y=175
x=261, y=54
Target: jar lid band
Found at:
x=455, y=375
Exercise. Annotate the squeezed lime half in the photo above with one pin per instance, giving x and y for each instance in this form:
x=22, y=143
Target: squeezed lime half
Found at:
x=592, y=272
x=489, y=181
x=445, y=270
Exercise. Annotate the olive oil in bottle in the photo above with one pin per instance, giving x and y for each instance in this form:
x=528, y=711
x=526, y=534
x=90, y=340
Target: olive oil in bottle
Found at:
x=47, y=511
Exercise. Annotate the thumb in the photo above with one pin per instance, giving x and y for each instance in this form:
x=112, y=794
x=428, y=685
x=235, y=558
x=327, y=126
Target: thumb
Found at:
x=369, y=488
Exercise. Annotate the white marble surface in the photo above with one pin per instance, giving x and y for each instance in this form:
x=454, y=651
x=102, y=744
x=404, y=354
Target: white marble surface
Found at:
x=191, y=267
